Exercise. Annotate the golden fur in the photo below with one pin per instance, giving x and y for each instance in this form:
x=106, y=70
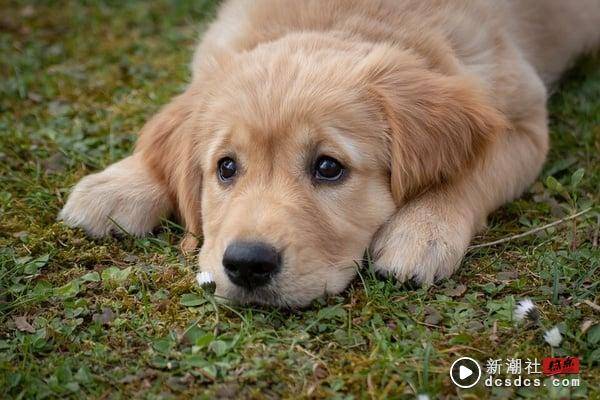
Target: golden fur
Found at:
x=437, y=109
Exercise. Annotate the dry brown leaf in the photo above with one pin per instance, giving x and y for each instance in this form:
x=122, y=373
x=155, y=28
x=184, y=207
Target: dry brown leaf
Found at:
x=24, y=326
x=320, y=371
x=457, y=291
x=585, y=325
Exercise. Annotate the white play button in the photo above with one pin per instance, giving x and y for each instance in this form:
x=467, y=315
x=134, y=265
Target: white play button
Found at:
x=464, y=372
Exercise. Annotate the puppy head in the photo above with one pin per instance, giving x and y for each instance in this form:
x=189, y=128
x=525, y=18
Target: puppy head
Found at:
x=295, y=158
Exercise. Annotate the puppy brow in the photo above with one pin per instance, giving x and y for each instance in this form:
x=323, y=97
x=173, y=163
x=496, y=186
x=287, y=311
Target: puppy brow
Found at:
x=350, y=151
x=217, y=146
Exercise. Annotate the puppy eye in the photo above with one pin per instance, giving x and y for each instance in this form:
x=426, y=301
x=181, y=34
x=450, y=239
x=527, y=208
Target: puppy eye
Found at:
x=328, y=169
x=226, y=169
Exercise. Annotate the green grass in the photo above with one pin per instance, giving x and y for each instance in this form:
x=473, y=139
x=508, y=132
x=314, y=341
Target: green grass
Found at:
x=121, y=318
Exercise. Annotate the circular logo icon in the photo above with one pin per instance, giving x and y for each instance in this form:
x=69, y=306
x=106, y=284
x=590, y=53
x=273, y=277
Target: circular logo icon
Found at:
x=465, y=372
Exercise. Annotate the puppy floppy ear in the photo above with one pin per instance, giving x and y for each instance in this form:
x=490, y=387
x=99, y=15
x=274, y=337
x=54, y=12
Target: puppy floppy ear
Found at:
x=166, y=143
x=437, y=124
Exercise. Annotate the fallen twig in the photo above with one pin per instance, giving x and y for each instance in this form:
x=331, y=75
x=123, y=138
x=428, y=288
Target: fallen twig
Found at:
x=530, y=232
x=595, y=238
x=593, y=305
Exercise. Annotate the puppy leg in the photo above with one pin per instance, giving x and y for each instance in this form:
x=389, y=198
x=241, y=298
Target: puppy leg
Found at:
x=125, y=192
x=138, y=191
x=427, y=238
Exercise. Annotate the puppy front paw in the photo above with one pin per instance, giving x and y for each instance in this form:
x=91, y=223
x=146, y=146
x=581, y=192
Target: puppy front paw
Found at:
x=122, y=197
x=424, y=241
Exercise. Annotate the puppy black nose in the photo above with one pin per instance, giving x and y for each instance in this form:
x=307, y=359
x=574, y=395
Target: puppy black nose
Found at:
x=251, y=264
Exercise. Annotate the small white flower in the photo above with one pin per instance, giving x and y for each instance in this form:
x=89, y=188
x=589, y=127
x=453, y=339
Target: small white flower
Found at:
x=422, y=396
x=204, y=278
x=525, y=309
x=553, y=337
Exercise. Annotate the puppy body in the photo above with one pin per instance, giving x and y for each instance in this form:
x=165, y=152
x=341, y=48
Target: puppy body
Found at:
x=437, y=110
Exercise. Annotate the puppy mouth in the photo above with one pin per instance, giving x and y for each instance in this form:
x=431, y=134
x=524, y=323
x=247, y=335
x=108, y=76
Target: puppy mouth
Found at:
x=264, y=295
x=271, y=294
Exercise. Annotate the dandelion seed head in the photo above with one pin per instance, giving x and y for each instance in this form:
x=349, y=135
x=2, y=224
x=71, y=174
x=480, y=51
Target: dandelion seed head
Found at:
x=553, y=337
x=526, y=309
x=206, y=281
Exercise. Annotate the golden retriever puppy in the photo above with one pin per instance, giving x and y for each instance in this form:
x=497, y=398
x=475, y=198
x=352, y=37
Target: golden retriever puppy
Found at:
x=313, y=130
